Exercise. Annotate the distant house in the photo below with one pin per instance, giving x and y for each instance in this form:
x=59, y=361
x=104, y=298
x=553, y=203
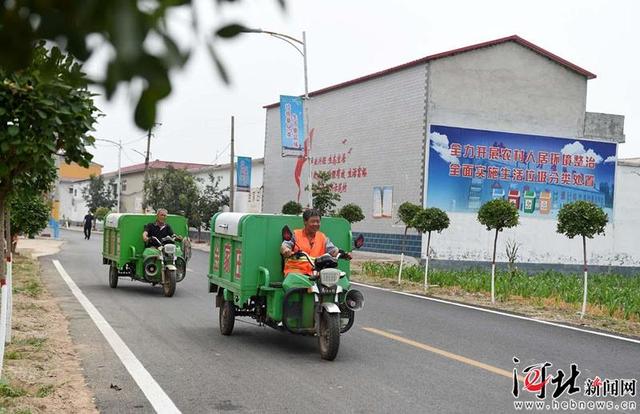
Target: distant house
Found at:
x=245, y=201
x=131, y=193
x=66, y=197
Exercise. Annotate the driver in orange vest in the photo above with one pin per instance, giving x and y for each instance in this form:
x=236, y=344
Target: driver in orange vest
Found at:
x=309, y=240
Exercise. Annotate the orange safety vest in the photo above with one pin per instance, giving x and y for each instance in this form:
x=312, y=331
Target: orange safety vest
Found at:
x=302, y=265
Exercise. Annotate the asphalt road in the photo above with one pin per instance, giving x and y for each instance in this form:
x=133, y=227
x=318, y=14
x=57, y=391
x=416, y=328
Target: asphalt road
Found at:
x=404, y=354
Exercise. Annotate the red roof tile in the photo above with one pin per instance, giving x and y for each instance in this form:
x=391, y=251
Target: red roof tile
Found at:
x=514, y=38
x=159, y=165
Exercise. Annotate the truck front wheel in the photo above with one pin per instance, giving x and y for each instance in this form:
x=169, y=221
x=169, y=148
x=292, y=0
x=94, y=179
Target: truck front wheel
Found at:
x=329, y=338
x=169, y=286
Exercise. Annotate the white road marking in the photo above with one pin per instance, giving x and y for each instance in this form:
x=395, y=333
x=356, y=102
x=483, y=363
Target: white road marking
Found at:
x=155, y=394
x=526, y=318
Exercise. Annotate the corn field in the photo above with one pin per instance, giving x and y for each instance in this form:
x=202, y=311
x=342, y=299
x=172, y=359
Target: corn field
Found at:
x=618, y=294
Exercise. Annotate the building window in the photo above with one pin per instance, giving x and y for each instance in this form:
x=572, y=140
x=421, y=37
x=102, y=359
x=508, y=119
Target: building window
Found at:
x=124, y=185
x=75, y=192
x=70, y=190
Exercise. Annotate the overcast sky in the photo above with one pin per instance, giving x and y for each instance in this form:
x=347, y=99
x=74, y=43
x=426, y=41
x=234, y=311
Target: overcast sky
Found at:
x=348, y=39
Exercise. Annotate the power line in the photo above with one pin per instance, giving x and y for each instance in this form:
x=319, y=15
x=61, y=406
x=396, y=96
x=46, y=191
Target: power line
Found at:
x=136, y=140
x=223, y=152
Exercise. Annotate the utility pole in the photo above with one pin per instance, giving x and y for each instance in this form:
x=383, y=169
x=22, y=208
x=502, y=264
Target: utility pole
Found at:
x=233, y=169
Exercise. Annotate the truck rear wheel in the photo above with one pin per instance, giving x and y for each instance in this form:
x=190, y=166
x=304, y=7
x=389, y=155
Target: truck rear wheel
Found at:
x=227, y=317
x=169, y=286
x=329, y=338
x=113, y=276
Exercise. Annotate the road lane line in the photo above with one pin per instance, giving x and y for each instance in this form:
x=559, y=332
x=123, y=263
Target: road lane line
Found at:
x=525, y=318
x=155, y=394
x=443, y=353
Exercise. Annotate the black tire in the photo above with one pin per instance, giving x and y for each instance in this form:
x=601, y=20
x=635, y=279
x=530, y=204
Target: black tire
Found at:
x=347, y=317
x=227, y=317
x=181, y=269
x=169, y=287
x=329, y=338
x=113, y=276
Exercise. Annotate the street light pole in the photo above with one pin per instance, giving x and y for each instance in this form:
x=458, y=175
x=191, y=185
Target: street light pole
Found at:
x=306, y=113
x=119, y=171
x=305, y=104
x=119, y=185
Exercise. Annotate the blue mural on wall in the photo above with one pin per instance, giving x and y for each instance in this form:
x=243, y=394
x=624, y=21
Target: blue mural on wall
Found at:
x=539, y=174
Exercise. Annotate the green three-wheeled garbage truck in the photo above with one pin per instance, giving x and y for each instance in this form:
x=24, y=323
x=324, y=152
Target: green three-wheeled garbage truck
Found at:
x=123, y=249
x=246, y=274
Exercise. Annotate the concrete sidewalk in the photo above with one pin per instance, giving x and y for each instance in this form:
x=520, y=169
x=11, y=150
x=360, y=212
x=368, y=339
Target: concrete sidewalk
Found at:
x=38, y=247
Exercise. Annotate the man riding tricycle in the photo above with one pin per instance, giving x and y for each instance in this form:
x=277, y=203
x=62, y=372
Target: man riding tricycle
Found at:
x=291, y=280
x=148, y=248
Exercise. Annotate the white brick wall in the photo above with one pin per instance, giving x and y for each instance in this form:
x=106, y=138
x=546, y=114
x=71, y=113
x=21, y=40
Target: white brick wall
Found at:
x=382, y=121
x=502, y=88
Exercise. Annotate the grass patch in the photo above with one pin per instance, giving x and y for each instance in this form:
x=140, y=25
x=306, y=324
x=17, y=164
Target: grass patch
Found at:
x=26, y=277
x=9, y=392
x=31, y=288
x=45, y=391
x=618, y=295
x=34, y=342
x=13, y=355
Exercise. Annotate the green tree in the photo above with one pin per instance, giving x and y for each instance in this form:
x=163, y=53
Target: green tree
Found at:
x=497, y=215
x=102, y=213
x=98, y=193
x=351, y=212
x=45, y=109
x=292, y=207
x=125, y=28
x=177, y=191
x=426, y=221
x=585, y=219
x=29, y=214
x=210, y=201
x=324, y=198
x=406, y=212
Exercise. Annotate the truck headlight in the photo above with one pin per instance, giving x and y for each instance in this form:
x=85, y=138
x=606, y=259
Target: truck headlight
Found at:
x=329, y=277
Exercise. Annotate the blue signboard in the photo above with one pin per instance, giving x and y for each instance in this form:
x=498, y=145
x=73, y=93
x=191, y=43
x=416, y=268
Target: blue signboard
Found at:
x=243, y=174
x=292, y=125
x=538, y=174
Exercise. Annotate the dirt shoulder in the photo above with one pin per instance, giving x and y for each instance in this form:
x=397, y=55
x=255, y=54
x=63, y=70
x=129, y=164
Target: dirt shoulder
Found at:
x=42, y=372
x=548, y=309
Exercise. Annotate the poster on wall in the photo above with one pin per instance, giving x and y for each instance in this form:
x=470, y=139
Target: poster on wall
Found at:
x=382, y=202
x=291, y=125
x=243, y=174
x=377, y=202
x=538, y=174
x=387, y=201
